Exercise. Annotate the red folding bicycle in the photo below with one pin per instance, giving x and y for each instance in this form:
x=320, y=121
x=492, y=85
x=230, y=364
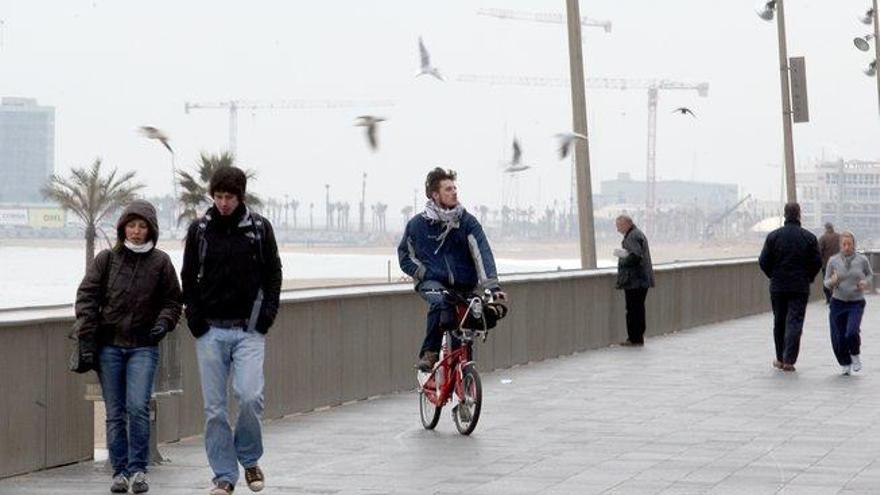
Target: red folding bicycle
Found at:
x=455, y=374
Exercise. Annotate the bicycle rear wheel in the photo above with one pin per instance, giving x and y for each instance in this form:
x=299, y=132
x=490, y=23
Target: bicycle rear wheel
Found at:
x=467, y=412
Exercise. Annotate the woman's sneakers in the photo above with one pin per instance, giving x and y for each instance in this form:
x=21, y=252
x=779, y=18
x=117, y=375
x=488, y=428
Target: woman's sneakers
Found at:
x=856, y=362
x=119, y=484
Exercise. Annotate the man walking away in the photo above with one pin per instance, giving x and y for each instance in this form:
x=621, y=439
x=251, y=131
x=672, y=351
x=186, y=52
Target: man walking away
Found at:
x=791, y=260
x=635, y=275
x=829, y=245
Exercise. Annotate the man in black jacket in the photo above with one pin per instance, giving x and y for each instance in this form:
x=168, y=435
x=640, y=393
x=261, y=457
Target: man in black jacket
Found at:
x=791, y=260
x=635, y=275
x=231, y=286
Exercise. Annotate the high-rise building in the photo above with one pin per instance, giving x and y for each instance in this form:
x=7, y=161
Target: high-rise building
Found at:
x=27, y=149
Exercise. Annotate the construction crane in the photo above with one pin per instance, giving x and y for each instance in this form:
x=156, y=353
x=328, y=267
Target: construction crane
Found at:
x=233, y=106
x=709, y=231
x=545, y=17
x=653, y=86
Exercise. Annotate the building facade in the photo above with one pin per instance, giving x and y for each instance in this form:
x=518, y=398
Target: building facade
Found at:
x=845, y=193
x=708, y=196
x=27, y=149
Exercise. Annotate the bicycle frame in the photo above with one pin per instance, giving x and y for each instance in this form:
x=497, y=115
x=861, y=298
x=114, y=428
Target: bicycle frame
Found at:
x=453, y=361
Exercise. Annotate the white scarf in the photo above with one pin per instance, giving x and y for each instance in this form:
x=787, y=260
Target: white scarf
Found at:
x=139, y=248
x=450, y=218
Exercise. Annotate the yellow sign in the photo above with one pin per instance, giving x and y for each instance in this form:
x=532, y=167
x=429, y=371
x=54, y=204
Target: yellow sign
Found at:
x=46, y=218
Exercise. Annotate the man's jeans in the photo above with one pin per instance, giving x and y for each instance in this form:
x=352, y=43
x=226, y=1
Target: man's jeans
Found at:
x=438, y=309
x=220, y=351
x=126, y=376
x=845, y=318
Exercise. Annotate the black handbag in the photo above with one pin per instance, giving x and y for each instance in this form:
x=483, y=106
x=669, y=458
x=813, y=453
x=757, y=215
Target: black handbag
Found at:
x=83, y=355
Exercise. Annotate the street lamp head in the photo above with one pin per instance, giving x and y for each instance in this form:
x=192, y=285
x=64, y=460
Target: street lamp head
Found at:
x=765, y=9
x=871, y=69
x=862, y=42
x=868, y=18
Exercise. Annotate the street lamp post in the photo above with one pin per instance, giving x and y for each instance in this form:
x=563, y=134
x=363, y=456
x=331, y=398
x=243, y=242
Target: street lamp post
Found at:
x=876, y=17
x=581, y=146
x=766, y=13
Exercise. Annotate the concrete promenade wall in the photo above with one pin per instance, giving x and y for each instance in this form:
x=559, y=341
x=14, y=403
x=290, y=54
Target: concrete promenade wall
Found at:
x=331, y=346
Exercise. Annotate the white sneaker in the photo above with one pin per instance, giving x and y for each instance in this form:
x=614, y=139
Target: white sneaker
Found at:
x=856, y=362
x=844, y=370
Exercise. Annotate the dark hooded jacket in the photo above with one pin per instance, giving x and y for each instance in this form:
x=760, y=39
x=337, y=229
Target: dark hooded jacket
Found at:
x=124, y=294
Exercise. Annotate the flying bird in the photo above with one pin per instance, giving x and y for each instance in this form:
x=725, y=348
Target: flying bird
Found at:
x=151, y=132
x=565, y=141
x=516, y=164
x=370, y=123
x=426, y=67
x=685, y=111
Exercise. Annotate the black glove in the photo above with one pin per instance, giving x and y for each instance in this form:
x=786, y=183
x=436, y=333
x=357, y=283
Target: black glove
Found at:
x=157, y=333
x=498, y=294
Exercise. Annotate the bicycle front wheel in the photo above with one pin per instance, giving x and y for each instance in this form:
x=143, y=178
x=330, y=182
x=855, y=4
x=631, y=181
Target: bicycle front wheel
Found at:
x=467, y=412
x=429, y=412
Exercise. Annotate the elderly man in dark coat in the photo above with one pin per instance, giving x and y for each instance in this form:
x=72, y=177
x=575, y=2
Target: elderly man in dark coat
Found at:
x=635, y=275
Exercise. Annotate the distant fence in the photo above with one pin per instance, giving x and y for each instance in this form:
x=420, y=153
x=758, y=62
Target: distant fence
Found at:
x=330, y=346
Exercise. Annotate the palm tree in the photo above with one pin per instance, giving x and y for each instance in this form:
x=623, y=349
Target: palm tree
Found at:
x=194, y=196
x=91, y=196
x=294, y=204
x=483, y=210
x=407, y=212
x=380, y=209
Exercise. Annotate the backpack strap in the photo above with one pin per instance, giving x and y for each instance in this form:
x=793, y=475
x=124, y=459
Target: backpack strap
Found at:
x=203, y=243
x=259, y=228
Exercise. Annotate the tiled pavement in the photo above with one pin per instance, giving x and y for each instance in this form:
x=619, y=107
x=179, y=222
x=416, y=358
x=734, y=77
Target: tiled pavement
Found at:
x=696, y=412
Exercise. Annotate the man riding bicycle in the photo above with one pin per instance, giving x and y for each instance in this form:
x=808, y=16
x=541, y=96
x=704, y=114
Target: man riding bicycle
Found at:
x=444, y=248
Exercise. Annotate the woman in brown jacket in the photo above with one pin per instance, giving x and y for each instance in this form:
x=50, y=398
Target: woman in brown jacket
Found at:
x=128, y=300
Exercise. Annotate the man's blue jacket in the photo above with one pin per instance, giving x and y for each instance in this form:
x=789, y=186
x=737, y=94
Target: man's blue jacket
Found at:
x=462, y=261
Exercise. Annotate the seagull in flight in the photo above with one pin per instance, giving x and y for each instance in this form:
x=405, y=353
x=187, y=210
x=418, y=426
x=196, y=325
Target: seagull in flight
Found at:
x=151, y=132
x=370, y=122
x=565, y=141
x=685, y=111
x=516, y=164
x=426, y=67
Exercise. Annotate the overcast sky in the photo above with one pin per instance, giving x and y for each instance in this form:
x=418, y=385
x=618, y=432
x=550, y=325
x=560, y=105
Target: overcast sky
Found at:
x=111, y=66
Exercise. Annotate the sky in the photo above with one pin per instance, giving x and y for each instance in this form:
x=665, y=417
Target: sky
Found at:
x=109, y=67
